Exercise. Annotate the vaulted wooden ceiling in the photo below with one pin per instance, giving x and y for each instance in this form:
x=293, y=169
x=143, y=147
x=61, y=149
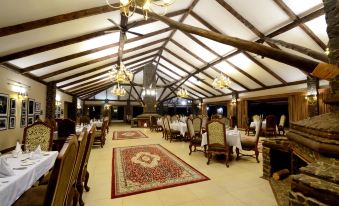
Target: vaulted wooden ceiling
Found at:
x=65, y=41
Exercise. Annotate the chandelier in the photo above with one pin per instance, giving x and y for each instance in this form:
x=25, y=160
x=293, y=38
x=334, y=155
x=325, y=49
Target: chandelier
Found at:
x=120, y=74
x=182, y=93
x=221, y=82
x=118, y=91
x=128, y=7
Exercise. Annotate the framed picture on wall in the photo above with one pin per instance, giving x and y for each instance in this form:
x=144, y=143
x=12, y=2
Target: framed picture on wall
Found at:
x=23, y=121
x=3, y=105
x=24, y=107
x=37, y=107
x=30, y=121
x=3, y=123
x=11, y=122
x=31, y=106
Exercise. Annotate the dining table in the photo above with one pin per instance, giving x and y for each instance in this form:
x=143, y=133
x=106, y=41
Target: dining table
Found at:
x=254, y=124
x=233, y=138
x=179, y=126
x=27, y=171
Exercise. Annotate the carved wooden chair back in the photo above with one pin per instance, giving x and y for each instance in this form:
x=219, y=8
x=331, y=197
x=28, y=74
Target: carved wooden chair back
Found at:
x=197, y=122
x=37, y=134
x=216, y=134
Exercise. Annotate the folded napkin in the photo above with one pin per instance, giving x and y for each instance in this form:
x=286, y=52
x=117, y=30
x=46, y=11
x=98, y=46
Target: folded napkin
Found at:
x=5, y=169
x=37, y=154
x=18, y=148
x=235, y=129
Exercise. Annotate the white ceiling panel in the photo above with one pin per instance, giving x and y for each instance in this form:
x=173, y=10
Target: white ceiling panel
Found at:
x=138, y=77
x=266, y=16
x=177, y=61
x=253, y=69
x=74, y=86
x=236, y=75
x=303, y=6
x=196, y=49
x=319, y=26
x=146, y=40
x=184, y=54
x=229, y=24
x=173, y=69
x=286, y=72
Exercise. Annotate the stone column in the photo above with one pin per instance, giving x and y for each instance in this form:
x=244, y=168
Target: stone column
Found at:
x=149, y=83
x=313, y=96
x=50, y=100
x=72, y=111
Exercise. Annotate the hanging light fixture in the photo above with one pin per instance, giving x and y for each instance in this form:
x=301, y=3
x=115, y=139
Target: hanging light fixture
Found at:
x=182, y=93
x=120, y=74
x=118, y=91
x=128, y=7
x=221, y=82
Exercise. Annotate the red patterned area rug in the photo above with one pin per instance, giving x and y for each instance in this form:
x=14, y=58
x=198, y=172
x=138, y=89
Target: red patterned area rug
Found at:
x=132, y=134
x=146, y=168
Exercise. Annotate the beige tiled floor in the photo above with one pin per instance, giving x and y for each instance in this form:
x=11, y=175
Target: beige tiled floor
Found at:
x=240, y=184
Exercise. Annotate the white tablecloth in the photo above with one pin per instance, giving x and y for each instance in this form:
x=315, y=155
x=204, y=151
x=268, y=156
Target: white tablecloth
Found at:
x=78, y=129
x=159, y=122
x=22, y=180
x=97, y=123
x=254, y=124
x=180, y=126
x=232, y=138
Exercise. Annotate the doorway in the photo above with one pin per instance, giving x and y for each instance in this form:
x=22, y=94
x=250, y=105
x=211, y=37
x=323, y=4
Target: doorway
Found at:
x=117, y=113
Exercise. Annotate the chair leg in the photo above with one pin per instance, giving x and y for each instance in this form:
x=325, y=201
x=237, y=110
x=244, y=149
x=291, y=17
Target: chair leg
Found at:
x=238, y=153
x=80, y=189
x=227, y=157
x=87, y=188
x=190, y=147
x=257, y=155
x=205, y=147
x=209, y=155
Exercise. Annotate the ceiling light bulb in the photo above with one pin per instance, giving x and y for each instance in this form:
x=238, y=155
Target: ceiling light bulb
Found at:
x=124, y=2
x=327, y=51
x=147, y=5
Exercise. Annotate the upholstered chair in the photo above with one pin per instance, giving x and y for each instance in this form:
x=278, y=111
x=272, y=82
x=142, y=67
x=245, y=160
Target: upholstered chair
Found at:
x=85, y=120
x=66, y=127
x=256, y=118
x=171, y=133
x=204, y=121
x=271, y=126
x=55, y=193
x=174, y=118
x=37, y=134
x=251, y=143
x=197, y=122
x=281, y=126
x=100, y=135
x=195, y=140
x=216, y=140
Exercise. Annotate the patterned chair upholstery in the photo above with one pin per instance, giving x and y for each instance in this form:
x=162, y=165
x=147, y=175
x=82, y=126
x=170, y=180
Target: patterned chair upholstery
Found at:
x=55, y=192
x=216, y=140
x=195, y=140
x=197, y=122
x=256, y=118
x=251, y=143
x=281, y=126
x=37, y=134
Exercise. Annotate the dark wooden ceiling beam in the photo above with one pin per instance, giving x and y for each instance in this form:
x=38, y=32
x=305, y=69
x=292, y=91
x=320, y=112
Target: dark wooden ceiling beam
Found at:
x=110, y=84
x=77, y=39
x=206, y=63
x=92, y=87
x=302, y=63
x=244, y=21
x=67, y=69
x=54, y=20
x=303, y=26
x=90, y=51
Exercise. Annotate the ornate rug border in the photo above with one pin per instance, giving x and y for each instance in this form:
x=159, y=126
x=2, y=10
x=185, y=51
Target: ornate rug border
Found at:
x=129, y=138
x=113, y=196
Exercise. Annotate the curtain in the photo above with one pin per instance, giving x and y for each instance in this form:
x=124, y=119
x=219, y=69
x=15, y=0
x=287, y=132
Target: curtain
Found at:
x=297, y=107
x=242, y=113
x=324, y=108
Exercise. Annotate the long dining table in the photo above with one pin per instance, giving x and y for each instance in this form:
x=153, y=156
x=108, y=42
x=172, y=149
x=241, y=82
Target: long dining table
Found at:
x=26, y=172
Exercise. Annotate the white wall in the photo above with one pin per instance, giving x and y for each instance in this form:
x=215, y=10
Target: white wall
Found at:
x=37, y=91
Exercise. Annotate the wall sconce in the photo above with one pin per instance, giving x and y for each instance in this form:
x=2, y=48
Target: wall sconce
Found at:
x=234, y=101
x=234, y=98
x=22, y=94
x=57, y=101
x=311, y=99
x=107, y=106
x=19, y=88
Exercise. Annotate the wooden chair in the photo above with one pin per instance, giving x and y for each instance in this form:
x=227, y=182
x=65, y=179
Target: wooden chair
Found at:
x=271, y=125
x=100, y=135
x=37, y=134
x=251, y=143
x=108, y=121
x=83, y=177
x=85, y=120
x=55, y=193
x=216, y=140
x=66, y=127
x=204, y=121
x=281, y=126
x=51, y=123
x=195, y=140
x=170, y=133
x=226, y=121
x=73, y=194
x=197, y=122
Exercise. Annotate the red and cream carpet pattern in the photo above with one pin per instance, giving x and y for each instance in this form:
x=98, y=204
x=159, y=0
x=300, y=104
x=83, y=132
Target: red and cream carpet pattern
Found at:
x=145, y=168
x=131, y=134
